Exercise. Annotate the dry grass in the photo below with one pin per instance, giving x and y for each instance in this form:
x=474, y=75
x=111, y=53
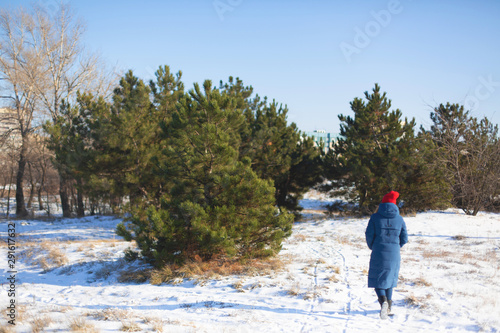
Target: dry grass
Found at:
x=39, y=324
x=21, y=312
x=294, y=290
x=421, y=282
x=204, y=270
x=468, y=256
x=334, y=278
x=155, y=322
x=442, y=254
x=298, y=238
x=46, y=254
x=336, y=270
x=320, y=261
x=421, y=241
x=238, y=285
x=7, y=328
x=110, y=314
x=312, y=293
x=419, y=302
x=157, y=326
x=81, y=325
x=344, y=240
x=130, y=326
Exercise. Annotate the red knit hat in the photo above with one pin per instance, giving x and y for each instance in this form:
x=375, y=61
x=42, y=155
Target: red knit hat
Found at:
x=390, y=197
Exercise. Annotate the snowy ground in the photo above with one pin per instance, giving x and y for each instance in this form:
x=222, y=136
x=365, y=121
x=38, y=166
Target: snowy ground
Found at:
x=449, y=281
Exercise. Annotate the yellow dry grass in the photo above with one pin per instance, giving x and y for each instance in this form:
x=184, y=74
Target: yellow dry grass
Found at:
x=203, y=270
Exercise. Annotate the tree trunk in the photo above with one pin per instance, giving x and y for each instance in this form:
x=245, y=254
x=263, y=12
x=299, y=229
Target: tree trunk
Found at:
x=40, y=188
x=8, y=192
x=80, y=210
x=63, y=194
x=40, y=201
x=21, y=210
x=33, y=187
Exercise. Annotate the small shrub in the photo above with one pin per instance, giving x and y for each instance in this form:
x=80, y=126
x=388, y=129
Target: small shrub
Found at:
x=157, y=325
x=420, y=281
x=82, y=326
x=294, y=290
x=110, y=314
x=312, y=294
x=238, y=285
x=130, y=326
x=419, y=302
x=38, y=324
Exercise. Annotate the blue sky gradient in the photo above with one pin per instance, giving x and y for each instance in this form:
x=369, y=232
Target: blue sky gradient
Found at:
x=421, y=53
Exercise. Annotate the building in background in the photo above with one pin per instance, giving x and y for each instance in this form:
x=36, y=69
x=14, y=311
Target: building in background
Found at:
x=8, y=125
x=321, y=136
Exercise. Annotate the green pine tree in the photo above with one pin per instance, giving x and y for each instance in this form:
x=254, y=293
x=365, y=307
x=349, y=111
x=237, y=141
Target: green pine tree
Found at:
x=374, y=153
x=276, y=148
x=217, y=205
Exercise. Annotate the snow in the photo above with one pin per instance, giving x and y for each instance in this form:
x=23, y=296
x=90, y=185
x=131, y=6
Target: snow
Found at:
x=68, y=277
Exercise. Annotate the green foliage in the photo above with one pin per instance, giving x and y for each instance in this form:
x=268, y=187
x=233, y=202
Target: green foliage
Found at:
x=205, y=173
x=109, y=148
x=424, y=185
x=217, y=205
x=378, y=152
x=276, y=149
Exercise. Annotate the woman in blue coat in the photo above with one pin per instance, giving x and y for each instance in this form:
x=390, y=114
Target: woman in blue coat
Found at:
x=385, y=235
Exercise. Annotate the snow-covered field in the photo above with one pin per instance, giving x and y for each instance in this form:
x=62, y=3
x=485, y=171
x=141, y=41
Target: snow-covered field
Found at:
x=68, y=273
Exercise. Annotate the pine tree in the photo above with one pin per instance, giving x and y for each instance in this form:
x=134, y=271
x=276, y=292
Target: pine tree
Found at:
x=276, y=148
x=217, y=205
x=127, y=136
x=374, y=152
x=68, y=146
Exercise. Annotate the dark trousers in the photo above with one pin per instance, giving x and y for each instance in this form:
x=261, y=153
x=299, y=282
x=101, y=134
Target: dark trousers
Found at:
x=384, y=292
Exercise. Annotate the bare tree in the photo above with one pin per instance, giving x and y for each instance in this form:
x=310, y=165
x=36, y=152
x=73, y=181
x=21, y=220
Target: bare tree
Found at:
x=8, y=163
x=42, y=63
x=470, y=151
x=70, y=68
x=21, y=69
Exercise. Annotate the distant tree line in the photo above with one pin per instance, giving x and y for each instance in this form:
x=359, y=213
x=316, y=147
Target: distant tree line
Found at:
x=454, y=163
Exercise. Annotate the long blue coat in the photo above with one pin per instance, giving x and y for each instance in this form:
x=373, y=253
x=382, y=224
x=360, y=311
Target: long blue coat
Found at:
x=385, y=235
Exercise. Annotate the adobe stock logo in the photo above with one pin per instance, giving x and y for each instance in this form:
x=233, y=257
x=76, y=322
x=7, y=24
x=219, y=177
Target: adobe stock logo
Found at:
x=224, y=6
x=482, y=92
x=363, y=37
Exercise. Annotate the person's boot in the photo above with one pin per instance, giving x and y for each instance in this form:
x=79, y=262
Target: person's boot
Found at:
x=389, y=308
x=384, y=306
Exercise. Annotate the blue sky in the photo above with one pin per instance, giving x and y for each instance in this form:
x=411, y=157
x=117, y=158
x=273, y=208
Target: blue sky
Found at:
x=315, y=56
